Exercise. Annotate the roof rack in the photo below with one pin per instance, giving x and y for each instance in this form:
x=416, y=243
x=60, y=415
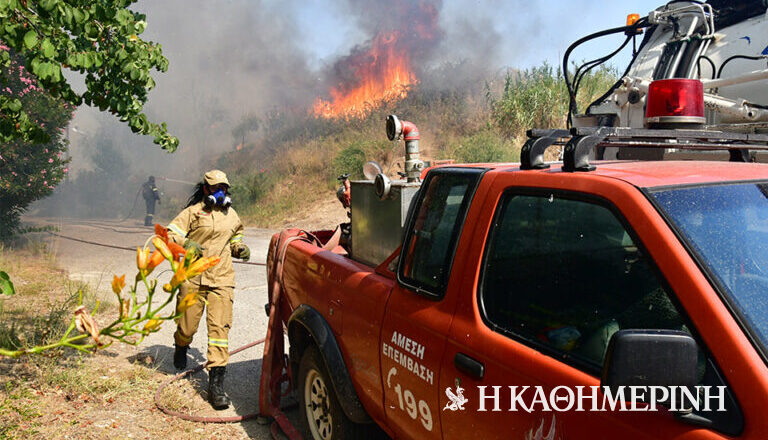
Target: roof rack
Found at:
x=581, y=142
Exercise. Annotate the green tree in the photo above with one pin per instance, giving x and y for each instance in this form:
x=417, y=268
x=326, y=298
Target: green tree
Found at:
x=246, y=125
x=98, y=39
x=29, y=171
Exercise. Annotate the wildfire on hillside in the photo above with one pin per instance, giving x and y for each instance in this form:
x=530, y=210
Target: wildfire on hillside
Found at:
x=381, y=71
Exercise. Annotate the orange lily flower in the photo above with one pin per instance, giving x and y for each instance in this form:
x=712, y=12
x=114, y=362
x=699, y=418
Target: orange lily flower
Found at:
x=201, y=265
x=188, y=301
x=118, y=283
x=178, y=277
x=152, y=325
x=142, y=258
x=175, y=249
x=161, y=231
x=154, y=260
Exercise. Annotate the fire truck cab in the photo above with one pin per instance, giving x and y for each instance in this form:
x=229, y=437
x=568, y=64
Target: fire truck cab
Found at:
x=518, y=279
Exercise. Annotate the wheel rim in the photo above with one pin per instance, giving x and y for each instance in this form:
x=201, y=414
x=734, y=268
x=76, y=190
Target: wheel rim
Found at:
x=317, y=408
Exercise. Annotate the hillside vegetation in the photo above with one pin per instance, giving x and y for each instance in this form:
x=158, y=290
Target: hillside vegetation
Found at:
x=295, y=160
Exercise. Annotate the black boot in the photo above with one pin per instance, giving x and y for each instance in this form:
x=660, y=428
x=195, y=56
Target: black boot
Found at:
x=216, y=395
x=180, y=357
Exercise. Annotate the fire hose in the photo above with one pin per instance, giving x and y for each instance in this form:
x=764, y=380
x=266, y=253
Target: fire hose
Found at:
x=125, y=248
x=203, y=419
x=275, y=367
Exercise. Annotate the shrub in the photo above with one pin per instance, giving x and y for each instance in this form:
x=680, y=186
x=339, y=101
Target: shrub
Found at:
x=484, y=146
x=538, y=98
x=253, y=187
x=351, y=158
x=30, y=171
x=103, y=191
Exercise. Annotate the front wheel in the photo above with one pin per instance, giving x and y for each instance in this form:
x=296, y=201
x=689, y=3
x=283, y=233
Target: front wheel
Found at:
x=323, y=417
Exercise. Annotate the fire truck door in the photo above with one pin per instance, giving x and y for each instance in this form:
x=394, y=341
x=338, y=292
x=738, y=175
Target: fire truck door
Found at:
x=419, y=311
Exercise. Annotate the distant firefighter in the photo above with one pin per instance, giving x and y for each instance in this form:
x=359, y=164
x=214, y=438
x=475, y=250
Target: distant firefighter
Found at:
x=151, y=195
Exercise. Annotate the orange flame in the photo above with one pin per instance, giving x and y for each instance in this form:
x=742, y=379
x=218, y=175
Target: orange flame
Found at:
x=383, y=74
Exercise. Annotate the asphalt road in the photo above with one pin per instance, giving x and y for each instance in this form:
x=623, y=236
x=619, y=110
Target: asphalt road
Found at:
x=97, y=264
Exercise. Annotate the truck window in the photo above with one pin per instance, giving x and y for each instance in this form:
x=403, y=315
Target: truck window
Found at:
x=434, y=229
x=563, y=275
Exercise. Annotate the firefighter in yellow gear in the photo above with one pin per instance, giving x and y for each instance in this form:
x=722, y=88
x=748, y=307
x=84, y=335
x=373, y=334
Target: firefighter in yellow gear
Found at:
x=211, y=227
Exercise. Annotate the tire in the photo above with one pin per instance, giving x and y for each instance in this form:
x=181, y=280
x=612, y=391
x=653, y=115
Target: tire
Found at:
x=322, y=417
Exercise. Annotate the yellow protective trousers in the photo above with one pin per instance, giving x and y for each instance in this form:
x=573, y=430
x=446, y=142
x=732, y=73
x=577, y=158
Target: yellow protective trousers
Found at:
x=218, y=318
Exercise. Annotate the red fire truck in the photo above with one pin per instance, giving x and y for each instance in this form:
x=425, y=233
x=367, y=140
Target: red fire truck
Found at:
x=455, y=293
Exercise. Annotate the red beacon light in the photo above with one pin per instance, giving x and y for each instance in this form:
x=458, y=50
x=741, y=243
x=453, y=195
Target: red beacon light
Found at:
x=672, y=103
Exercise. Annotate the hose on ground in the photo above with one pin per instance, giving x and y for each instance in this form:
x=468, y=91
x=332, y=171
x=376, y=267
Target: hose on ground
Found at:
x=274, y=429
x=203, y=419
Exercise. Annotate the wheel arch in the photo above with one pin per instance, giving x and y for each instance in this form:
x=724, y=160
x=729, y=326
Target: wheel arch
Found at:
x=307, y=326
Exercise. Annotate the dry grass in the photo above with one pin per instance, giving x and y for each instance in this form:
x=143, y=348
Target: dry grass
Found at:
x=40, y=310
x=67, y=394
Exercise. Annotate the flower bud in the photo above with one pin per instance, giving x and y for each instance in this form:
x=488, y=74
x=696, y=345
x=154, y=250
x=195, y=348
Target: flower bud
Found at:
x=117, y=284
x=142, y=258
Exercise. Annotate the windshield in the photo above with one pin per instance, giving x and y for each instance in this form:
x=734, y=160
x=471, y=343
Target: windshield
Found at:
x=727, y=226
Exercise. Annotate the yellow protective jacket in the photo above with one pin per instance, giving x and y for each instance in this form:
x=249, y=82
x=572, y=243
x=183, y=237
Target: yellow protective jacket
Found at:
x=218, y=231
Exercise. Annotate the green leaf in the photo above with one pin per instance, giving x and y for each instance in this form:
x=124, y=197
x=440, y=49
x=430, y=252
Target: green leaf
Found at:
x=55, y=73
x=47, y=47
x=14, y=105
x=68, y=16
x=30, y=39
x=48, y=4
x=79, y=15
x=6, y=286
x=139, y=26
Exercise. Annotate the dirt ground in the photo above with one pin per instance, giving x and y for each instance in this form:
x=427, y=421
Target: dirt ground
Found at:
x=110, y=394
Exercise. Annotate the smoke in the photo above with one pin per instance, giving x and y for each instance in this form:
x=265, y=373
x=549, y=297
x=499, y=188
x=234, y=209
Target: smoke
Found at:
x=415, y=21
x=232, y=59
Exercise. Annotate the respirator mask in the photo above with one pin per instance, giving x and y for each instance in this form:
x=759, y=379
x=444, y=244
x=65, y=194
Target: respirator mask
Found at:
x=218, y=198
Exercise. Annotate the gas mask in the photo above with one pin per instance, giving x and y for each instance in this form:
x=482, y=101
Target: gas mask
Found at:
x=219, y=198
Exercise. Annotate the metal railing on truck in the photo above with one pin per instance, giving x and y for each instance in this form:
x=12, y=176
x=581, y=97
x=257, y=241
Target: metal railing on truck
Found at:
x=582, y=142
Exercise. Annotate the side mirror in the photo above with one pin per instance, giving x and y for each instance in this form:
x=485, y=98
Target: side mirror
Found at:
x=650, y=358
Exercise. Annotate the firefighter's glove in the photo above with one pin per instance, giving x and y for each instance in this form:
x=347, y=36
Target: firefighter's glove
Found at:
x=244, y=253
x=193, y=246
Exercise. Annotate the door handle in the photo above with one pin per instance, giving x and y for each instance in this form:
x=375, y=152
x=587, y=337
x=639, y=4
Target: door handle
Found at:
x=469, y=366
